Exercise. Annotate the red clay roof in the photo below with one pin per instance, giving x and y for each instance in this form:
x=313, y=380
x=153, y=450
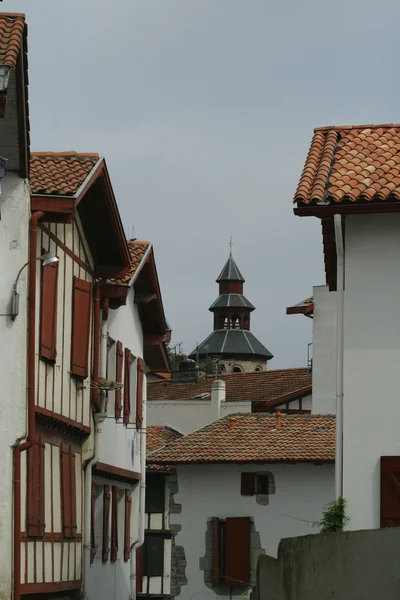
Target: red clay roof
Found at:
x=352, y=163
x=246, y=438
x=157, y=437
x=305, y=307
x=137, y=250
x=257, y=386
x=11, y=31
x=60, y=173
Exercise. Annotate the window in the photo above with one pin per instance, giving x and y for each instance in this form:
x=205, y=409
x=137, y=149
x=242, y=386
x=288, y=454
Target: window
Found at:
x=118, y=377
x=81, y=311
x=153, y=556
x=127, y=385
x=155, y=493
x=35, y=493
x=260, y=484
x=48, y=312
x=237, y=369
x=230, y=551
x=236, y=322
x=68, y=490
x=139, y=392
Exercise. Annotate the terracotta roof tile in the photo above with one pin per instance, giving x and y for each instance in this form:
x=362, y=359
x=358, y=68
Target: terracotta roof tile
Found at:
x=157, y=437
x=352, y=164
x=11, y=30
x=60, y=173
x=137, y=250
x=304, y=307
x=257, y=386
x=246, y=438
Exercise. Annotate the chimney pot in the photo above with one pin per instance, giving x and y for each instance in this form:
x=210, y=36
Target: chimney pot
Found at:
x=232, y=423
x=217, y=396
x=278, y=419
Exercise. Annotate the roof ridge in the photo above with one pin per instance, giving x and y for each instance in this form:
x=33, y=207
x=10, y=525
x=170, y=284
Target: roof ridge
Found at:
x=65, y=153
x=15, y=15
x=348, y=127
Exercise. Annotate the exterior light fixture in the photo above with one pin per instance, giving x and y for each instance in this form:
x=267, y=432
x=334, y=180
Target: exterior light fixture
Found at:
x=47, y=259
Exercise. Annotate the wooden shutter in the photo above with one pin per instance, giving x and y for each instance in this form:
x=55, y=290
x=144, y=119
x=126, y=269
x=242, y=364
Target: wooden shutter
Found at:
x=35, y=490
x=118, y=377
x=139, y=570
x=93, y=524
x=139, y=393
x=247, y=484
x=106, y=522
x=390, y=491
x=127, y=529
x=81, y=310
x=68, y=491
x=216, y=552
x=114, y=524
x=238, y=551
x=48, y=312
x=127, y=385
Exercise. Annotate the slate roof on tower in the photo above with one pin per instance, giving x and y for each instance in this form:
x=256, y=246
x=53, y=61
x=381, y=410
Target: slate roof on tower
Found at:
x=230, y=272
x=230, y=342
x=232, y=301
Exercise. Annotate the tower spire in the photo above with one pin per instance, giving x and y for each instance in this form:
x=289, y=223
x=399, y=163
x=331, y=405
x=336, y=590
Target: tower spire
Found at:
x=230, y=246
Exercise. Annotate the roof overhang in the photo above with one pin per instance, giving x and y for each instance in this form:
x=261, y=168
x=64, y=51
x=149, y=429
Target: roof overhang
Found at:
x=266, y=406
x=306, y=307
x=96, y=206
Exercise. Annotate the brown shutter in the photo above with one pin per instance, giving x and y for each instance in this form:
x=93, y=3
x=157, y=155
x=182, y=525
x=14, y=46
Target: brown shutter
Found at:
x=68, y=491
x=127, y=530
x=390, y=491
x=114, y=524
x=106, y=522
x=139, y=393
x=35, y=490
x=127, y=385
x=238, y=551
x=48, y=312
x=139, y=570
x=118, y=378
x=81, y=310
x=216, y=552
x=93, y=524
x=247, y=484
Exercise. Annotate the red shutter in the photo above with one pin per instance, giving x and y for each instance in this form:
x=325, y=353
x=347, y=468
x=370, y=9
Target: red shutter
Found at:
x=93, y=525
x=35, y=490
x=118, y=378
x=127, y=385
x=127, y=530
x=48, y=312
x=139, y=393
x=216, y=552
x=114, y=524
x=106, y=522
x=81, y=310
x=390, y=491
x=238, y=551
x=139, y=570
x=68, y=491
x=247, y=484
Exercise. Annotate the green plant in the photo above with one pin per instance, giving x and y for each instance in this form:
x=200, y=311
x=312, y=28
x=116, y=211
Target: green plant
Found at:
x=334, y=516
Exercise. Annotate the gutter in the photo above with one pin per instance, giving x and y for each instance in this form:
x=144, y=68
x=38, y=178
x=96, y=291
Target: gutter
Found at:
x=142, y=494
x=31, y=356
x=339, y=355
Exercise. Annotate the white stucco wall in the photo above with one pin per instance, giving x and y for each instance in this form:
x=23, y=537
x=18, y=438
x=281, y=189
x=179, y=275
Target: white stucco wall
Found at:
x=188, y=415
x=14, y=223
x=324, y=351
x=371, y=359
x=206, y=491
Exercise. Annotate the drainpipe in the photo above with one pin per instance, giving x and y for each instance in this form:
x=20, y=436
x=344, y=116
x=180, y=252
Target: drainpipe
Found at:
x=99, y=368
x=142, y=495
x=339, y=356
x=31, y=356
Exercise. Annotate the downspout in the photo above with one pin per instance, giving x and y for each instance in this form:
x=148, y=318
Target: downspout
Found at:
x=339, y=355
x=142, y=497
x=99, y=369
x=31, y=356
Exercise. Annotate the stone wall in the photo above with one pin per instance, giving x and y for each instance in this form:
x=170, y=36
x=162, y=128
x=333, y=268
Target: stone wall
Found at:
x=358, y=565
x=178, y=560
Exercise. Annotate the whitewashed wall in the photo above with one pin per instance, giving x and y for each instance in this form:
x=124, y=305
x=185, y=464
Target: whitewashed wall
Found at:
x=371, y=359
x=14, y=223
x=324, y=351
x=206, y=491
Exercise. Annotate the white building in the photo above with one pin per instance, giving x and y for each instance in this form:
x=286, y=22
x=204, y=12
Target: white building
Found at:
x=351, y=182
x=244, y=482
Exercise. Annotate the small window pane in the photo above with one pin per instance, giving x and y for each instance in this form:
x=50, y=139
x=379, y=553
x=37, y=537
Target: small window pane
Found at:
x=265, y=484
x=153, y=556
x=155, y=493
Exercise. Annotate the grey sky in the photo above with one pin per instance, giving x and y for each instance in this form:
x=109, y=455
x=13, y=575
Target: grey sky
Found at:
x=204, y=110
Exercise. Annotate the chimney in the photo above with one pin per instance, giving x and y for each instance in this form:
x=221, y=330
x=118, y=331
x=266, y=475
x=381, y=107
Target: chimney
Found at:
x=278, y=419
x=232, y=423
x=217, y=396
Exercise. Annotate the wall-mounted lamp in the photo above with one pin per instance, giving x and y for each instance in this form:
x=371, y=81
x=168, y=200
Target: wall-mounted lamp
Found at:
x=47, y=259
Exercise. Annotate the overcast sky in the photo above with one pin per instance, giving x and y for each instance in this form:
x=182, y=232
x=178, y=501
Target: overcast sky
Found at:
x=204, y=111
